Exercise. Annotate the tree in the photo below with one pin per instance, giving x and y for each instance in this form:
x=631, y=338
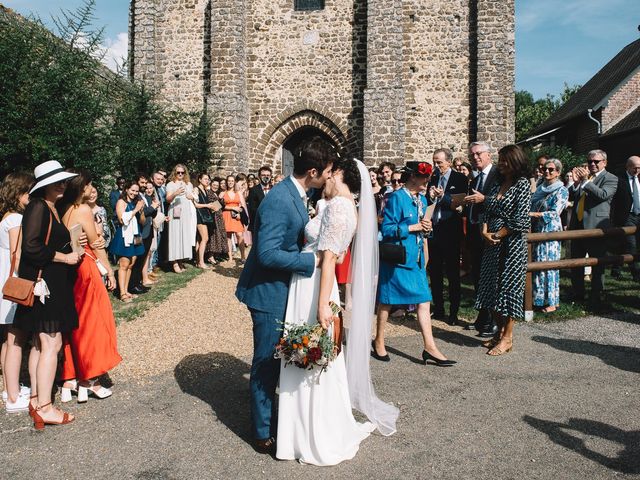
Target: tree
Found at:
x=531, y=113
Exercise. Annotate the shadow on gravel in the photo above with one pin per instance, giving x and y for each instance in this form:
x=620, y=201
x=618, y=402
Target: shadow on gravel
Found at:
x=219, y=380
x=624, y=358
x=569, y=436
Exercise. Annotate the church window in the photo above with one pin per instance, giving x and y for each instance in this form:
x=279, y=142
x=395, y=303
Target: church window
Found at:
x=306, y=5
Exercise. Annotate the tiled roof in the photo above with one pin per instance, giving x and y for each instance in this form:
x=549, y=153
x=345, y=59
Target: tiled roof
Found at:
x=630, y=122
x=596, y=89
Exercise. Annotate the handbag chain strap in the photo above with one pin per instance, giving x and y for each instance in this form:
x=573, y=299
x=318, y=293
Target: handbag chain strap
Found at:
x=46, y=242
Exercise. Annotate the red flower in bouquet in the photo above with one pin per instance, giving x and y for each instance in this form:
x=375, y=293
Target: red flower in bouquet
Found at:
x=314, y=354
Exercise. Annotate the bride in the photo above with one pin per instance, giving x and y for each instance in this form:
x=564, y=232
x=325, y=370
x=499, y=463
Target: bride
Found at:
x=315, y=420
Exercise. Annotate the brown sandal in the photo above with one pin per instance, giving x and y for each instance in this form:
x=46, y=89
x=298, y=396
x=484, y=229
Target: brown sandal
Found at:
x=495, y=351
x=39, y=422
x=490, y=343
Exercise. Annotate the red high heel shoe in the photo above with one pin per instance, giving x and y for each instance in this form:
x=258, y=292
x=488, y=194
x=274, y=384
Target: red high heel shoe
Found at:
x=39, y=422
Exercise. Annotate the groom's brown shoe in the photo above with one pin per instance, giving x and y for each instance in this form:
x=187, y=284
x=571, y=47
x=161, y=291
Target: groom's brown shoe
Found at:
x=266, y=446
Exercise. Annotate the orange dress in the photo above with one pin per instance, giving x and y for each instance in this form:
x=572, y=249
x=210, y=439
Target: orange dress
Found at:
x=231, y=225
x=91, y=349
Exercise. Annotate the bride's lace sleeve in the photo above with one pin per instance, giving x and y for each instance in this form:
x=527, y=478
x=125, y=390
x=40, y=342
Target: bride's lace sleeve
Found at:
x=336, y=227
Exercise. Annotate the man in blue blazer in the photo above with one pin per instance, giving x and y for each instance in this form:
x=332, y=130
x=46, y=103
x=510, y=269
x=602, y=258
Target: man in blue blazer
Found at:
x=264, y=283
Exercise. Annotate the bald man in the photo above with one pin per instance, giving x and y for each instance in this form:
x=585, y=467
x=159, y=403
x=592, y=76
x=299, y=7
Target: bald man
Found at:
x=626, y=210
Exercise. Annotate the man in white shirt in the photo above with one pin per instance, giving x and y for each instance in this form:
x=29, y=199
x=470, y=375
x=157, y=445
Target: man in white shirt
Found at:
x=625, y=212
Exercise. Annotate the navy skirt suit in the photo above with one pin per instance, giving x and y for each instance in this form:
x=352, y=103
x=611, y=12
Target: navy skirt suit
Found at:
x=404, y=283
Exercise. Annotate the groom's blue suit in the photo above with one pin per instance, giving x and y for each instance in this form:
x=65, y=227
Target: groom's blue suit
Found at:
x=263, y=286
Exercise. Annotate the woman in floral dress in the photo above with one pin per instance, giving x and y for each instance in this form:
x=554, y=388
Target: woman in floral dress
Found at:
x=547, y=204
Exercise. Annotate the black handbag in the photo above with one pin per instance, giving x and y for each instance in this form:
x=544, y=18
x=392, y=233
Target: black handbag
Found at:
x=392, y=253
x=244, y=218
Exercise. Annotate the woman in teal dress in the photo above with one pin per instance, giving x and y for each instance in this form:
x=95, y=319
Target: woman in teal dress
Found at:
x=401, y=284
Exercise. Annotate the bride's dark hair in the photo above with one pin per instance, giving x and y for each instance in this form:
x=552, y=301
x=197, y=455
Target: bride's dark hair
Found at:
x=350, y=173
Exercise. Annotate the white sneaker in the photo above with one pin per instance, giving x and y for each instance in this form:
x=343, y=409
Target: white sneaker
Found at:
x=24, y=390
x=20, y=405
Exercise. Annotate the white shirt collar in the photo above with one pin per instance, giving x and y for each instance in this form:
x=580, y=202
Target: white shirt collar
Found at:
x=298, y=187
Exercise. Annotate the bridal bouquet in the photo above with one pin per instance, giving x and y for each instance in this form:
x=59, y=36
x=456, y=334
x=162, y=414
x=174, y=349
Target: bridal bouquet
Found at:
x=308, y=346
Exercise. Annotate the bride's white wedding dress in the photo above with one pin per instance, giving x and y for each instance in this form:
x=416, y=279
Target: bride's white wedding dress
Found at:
x=315, y=421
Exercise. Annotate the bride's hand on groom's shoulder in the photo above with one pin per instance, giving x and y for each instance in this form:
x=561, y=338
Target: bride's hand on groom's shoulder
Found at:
x=325, y=315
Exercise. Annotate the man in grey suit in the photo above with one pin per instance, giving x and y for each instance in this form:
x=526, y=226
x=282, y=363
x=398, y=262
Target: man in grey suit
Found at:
x=264, y=283
x=594, y=189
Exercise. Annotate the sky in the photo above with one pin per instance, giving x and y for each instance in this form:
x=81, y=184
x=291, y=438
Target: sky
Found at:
x=557, y=41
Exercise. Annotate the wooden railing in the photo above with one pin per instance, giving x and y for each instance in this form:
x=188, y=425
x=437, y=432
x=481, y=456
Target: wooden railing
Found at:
x=569, y=263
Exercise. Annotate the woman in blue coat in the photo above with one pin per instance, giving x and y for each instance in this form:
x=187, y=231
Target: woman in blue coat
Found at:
x=399, y=284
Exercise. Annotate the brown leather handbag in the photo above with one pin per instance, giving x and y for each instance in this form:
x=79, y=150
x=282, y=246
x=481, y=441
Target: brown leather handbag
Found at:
x=20, y=290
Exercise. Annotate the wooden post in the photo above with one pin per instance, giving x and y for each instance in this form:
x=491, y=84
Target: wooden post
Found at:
x=528, y=289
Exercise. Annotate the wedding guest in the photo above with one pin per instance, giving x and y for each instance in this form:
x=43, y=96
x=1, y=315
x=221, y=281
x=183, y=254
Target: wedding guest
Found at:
x=407, y=283
x=458, y=162
x=257, y=193
x=231, y=215
x=47, y=254
x=217, y=248
x=205, y=218
x=378, y=194
x=91, y=349
x=547, y=204
x=505, y=223
x=445, y=242
x=386, y=170
x=466, y=169
x=150, y=210
x=277, y=179
x=481, y=185
x=100, y=217
x=245, y=219
x=151, y=198
x=625, y=212
x=126, y=245
x=594, y=189
x=114, y=195
x=223, y=185
x=160, y=254
x=182, y=217
x=14, y=197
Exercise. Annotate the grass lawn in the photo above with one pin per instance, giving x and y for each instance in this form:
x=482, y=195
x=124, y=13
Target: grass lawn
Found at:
x=621, y=297
x=168, y=282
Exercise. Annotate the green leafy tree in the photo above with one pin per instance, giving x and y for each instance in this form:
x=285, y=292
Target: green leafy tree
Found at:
x=530, y=113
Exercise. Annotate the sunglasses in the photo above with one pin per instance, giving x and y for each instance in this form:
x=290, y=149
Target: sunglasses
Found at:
x=179, y=173
x=594, y=161
x=395, y=180
x=549, y=169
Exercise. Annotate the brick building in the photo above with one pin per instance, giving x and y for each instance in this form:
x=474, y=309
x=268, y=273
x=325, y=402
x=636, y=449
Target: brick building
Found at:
x=604, y=113
x=380, y=79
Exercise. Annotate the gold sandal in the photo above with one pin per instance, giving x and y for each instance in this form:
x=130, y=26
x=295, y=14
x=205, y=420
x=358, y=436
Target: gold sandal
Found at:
x=495, y=351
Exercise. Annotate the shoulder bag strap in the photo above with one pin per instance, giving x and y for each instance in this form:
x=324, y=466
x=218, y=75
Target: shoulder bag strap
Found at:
x=13, y=254
x=46, y=241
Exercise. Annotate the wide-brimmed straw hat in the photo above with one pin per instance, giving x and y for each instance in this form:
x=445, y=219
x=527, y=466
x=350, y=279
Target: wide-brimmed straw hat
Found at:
x=49, y=172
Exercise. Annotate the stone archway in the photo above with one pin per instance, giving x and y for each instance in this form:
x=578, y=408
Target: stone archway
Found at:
x=300, y=123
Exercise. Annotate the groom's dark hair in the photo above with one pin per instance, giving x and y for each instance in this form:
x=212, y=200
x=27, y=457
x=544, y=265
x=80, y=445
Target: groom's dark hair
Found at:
x=314, y=153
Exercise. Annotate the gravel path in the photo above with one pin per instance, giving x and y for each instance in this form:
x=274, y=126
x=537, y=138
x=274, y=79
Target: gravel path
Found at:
x=203, y=317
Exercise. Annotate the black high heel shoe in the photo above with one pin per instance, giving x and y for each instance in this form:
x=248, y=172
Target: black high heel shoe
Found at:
x=374, y=354
x=440, y=363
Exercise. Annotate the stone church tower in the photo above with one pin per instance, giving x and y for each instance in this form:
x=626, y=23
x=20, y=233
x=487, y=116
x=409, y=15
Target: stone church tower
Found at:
x=381, y=79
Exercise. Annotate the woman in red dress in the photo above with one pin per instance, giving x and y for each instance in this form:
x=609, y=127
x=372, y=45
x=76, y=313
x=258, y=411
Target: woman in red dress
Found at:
x=91, y=349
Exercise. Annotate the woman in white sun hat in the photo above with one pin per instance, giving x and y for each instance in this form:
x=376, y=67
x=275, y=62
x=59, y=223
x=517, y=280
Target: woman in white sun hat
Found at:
x=47, y=254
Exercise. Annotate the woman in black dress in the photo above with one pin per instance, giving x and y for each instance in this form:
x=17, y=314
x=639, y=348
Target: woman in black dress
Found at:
x=505, y=225
x=53, y=311
x=217, y=247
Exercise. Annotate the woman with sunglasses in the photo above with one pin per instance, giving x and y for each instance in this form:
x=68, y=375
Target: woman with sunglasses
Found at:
x=182, y=217
x=47, y=254
x=547, y=204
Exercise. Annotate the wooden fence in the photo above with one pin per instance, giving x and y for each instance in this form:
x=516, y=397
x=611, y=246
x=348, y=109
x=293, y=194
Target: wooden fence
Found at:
x=569, y=263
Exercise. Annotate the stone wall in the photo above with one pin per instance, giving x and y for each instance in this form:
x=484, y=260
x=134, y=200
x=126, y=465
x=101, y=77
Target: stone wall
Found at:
x=437, y=75
x=387, y=79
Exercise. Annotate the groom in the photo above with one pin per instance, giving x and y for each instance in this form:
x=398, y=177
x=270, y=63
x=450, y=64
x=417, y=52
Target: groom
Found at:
x=264, y=283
